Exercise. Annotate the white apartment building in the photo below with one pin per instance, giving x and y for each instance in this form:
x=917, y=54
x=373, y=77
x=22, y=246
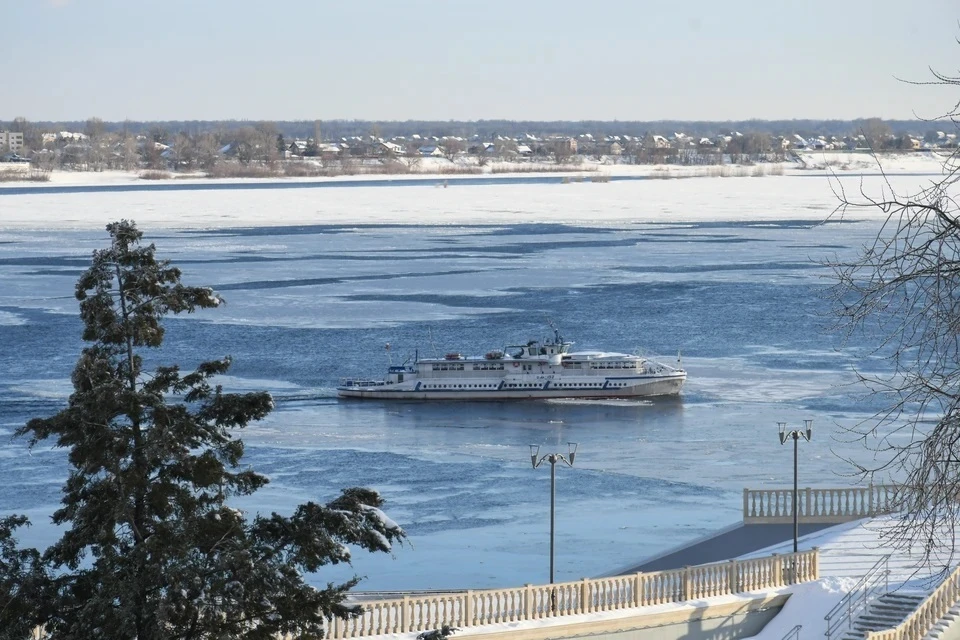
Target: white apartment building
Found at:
x=11, y=142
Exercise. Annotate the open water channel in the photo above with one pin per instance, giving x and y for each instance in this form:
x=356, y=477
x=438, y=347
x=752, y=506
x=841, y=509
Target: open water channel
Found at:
x=741, y=302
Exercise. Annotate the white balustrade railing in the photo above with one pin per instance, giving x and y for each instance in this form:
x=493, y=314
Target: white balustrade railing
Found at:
x=927, y=614
x=534, y=602
x=817, y=505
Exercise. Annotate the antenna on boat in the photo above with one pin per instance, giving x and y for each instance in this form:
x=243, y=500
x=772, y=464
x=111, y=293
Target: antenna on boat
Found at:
x=557, y=338
x=386, y=348
x=436, y=352
x=679, y=363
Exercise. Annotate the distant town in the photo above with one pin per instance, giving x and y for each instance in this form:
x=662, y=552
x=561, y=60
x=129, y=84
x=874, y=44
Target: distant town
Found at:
x=253, y=149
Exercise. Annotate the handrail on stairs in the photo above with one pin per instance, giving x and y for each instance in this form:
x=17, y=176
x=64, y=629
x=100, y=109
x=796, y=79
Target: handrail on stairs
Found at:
x=794, y=633
x=859, y=596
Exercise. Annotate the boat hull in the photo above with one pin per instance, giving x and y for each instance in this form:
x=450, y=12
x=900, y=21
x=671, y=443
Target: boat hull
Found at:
x=650, y=387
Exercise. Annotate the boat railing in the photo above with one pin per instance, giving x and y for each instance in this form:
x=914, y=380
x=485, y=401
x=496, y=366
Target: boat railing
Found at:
x=360, y=382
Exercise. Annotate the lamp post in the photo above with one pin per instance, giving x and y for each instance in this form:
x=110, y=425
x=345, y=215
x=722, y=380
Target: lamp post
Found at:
x=796, y=434
x=552, y=458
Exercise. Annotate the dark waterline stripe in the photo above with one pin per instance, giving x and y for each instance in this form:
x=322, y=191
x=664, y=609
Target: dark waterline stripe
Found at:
x=231, y=186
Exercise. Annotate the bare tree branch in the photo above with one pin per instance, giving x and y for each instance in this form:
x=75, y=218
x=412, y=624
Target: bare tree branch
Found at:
x=904, y=286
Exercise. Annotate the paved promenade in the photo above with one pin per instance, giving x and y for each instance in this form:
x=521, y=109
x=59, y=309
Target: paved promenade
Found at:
x=727, y=543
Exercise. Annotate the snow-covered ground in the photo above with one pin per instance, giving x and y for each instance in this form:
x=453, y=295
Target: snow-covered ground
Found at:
x=806, y=197
x=847, y=552
x=861, y=161
x=802, y=162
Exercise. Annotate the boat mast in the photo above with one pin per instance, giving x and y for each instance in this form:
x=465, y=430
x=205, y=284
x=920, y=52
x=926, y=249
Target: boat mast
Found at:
x=557, y=338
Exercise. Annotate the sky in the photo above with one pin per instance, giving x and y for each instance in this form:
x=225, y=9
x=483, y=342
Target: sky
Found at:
x=466, y=60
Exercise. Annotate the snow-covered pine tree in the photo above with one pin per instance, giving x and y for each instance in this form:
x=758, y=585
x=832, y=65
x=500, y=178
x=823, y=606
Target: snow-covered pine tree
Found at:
x=151, y=548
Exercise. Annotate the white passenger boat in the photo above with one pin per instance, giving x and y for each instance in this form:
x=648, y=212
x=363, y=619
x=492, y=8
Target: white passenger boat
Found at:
x=537, y=369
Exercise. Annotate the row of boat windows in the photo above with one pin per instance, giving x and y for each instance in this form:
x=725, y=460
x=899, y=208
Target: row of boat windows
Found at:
x=563, y=385
x=498, y=366
x=600, y=365
x=612, y=365
x=460, y=386
x=448, y=367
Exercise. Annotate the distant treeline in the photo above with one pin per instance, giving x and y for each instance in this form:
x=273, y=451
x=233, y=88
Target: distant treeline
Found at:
x=490, y=129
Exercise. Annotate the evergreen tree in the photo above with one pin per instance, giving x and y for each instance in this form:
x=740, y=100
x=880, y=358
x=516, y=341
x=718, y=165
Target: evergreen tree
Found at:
x=24, y=584
x=151, y=550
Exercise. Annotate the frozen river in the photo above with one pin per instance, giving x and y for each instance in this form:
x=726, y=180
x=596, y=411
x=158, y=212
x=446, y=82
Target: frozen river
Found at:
x=317, y=283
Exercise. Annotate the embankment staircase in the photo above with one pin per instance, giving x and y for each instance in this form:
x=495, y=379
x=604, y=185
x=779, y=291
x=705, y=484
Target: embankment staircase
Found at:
x=885, y=612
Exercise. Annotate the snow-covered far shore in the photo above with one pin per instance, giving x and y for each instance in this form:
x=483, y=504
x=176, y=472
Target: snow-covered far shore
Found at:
x=810, y=197
x=801, y=163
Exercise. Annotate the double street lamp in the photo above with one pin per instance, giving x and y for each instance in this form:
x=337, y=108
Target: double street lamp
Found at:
x=553, y=459
x=795, y=435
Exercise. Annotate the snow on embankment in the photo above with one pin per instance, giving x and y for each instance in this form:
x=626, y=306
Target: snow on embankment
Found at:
x=930, y=162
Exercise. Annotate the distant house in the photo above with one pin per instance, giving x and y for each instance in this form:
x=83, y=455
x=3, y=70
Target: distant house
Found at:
x=69, y=136
x=11, y=141
x=821, y=144
x=361, y=148
x=328, y=149
x=74, y=153
x=390, y=148
x=659, y=142
x=566, y=145
x=484, y=148
x=429, y=150
x=524, y=150
x=298, y=147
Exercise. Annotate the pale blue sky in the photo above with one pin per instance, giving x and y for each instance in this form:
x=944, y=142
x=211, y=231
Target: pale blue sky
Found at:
x=465, y=60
